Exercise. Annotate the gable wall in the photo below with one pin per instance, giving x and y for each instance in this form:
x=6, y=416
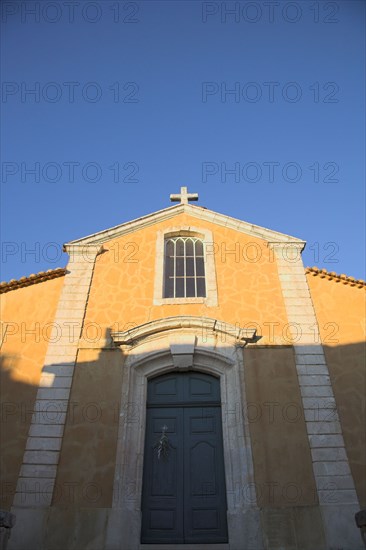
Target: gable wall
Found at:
x=123, y=282
x=249, y=294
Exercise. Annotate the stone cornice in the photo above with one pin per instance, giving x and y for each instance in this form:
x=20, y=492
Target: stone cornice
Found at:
x=33, y=279
x=128, y=227
x=205, y=325
x=195, y=211
x=83, y=250
x=332, y=276
x=298, y=245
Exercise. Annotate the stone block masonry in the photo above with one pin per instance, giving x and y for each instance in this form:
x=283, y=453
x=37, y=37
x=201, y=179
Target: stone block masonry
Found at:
x=38, y=472
x=335, y=486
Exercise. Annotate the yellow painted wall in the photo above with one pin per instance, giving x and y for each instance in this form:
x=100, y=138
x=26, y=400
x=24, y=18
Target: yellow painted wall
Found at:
x=340, y=310
x=85, y=473
x=26, y=314
x=281, y=452
x=249, y=294
x=123, y=283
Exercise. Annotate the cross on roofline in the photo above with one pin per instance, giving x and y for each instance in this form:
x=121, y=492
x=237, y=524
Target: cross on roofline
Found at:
x=183, y=197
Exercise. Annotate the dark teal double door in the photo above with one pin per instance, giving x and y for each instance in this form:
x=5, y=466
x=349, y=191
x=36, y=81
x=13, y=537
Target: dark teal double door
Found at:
x=184, y=495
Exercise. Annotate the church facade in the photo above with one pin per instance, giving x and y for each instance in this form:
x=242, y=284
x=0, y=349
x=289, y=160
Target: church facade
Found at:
x=184, y=381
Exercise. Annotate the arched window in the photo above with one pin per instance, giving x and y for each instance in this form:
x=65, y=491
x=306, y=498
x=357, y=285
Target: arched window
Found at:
x=184, y=268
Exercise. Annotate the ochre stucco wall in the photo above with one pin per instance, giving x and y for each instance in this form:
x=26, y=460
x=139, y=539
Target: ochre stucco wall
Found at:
x=123, y=283
x=26, y=314
x=340, y=310
x=121, y=296
x=249, y=294
x=281, y=453
x=87, y=462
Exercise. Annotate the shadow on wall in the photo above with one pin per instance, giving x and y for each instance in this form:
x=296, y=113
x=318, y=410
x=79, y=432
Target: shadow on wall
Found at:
x=17, y=400
x=86, y=467
x=347, y=369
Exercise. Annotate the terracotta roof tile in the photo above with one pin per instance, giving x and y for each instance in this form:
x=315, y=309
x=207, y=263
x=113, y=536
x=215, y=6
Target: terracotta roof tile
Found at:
x=32, y=279
x=333, y=276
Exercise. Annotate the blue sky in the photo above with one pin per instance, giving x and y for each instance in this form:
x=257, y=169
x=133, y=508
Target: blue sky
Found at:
x=257, y=106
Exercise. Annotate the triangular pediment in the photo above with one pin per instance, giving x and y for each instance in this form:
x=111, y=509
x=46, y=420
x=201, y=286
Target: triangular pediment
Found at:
x=196, y=212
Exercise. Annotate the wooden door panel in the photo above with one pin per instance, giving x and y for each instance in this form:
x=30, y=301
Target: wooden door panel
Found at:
x=184, y=495
x=165, y=389
x=202, y=470
x=162, y=503
x=204, y=481
x=199, y=387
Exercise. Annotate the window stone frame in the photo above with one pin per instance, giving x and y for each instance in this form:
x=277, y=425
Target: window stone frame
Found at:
x=206, y=236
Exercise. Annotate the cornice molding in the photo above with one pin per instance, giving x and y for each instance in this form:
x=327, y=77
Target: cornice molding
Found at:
x=205, y=325
x=196, y=212
x=83, y=250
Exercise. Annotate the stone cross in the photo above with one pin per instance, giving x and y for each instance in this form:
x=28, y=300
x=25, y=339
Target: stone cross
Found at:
x=184, y=196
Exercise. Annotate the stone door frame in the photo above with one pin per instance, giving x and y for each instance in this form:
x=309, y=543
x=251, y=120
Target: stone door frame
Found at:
x=157, y=353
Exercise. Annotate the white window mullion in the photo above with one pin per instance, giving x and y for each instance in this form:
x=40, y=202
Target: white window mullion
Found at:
x=194, y=264
x=185, y=267
x=172, y=241
x=174, y=266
